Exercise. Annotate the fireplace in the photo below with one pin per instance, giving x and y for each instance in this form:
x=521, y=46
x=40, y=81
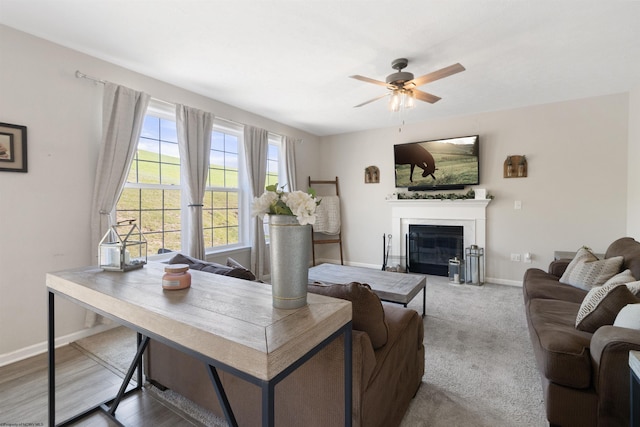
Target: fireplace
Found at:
x=430, y=247
x=470, y=215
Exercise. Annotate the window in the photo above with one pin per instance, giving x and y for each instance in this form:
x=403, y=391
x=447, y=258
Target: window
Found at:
x=152, y=194
x=275, y=175
x=221, y=211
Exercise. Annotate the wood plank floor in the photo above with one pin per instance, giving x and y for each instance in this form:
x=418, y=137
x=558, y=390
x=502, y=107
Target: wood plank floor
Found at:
x=80, y=384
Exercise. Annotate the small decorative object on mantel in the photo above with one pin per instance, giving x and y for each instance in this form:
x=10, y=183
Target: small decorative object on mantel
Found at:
x=515, y=167
x=372, y=175
x=291, y=216
x=123, y=247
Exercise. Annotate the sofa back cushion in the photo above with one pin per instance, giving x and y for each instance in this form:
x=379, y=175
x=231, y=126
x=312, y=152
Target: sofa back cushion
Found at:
x=212, y=267
x=368, y=313
x=628, y=248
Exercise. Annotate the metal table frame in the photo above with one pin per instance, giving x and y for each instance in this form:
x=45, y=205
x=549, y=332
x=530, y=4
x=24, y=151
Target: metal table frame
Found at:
x=110, y=406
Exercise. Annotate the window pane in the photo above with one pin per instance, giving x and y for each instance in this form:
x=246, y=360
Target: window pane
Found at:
x=219, y=236
x=231, y=143
x=232, y=200
x=151, y=221
x=168, y=131
x=231, y=178
x=151, y=127
x=170, y=153
x=231, y=161
x=233, y=235
x=148, y=173
x=217, y=141
x=208, y=237
x=129, y=200
x=170, y=174
x=171, y=220
x=216, y=177
x=172, y=199
x=154, y=242
x=220, y=218
x=150, y=199
x=232, y=217
x=148, y=150
x=272, y=152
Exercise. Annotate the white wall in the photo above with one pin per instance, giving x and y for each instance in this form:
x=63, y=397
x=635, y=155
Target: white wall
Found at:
x=45, y=212
x=633, y=183
x=575, y=194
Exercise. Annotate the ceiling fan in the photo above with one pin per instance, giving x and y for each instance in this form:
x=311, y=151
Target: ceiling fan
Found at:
x=403, y=86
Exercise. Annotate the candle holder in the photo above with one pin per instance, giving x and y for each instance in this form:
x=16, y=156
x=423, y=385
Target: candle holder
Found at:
x=456, y=271
x=475, y=265
x=123, y=247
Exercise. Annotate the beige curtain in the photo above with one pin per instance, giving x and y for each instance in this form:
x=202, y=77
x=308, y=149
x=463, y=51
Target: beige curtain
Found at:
x=256, y=143
x=289, y=150
x=194, y=142
x=123, y=111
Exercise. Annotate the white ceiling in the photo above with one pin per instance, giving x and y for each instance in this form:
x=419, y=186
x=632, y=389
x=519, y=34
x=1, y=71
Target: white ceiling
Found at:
x=290, y=60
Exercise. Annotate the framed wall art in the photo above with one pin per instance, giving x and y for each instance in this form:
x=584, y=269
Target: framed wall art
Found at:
x=13, y=148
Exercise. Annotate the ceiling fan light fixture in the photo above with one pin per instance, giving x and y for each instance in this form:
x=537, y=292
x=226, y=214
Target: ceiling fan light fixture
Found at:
x=395, y=101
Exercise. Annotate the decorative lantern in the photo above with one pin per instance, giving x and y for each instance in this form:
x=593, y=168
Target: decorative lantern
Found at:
x=475, y=265
x=123, y=247
x=456, y=271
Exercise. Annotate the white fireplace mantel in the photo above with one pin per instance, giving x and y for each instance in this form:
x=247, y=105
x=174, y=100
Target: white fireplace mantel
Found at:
x=468, y=213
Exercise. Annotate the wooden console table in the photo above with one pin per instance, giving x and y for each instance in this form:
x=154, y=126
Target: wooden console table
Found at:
x=228, y=323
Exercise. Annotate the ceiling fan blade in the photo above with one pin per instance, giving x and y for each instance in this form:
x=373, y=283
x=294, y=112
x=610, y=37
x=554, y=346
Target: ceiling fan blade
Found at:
x=371, y=100
x=369, y=80
x=426, y=97
x=435, y=75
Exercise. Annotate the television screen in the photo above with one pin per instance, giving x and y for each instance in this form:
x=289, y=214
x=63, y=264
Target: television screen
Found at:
x=439, y=164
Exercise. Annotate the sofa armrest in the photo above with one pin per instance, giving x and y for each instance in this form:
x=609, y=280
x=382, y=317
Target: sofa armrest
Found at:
x=558, y=267
x=610, y=347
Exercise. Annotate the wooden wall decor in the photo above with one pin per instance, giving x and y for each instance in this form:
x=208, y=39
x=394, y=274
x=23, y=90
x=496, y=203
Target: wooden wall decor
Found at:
x=515, y=167
x=372, y=175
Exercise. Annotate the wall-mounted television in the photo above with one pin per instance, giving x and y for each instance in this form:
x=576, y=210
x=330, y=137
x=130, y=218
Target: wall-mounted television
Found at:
x=441, y=164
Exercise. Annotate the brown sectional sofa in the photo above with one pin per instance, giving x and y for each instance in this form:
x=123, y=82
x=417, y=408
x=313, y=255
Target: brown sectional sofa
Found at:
x=585, y=376
x=386, y=376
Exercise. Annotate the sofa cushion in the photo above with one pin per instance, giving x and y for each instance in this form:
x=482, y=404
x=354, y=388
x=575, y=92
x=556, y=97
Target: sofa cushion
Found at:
x=601, y=306
x=367, y=311
x=561, y=350
x=212, y=267
x=586, y=271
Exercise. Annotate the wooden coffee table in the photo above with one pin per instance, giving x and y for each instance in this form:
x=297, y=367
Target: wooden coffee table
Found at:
x=399, y=288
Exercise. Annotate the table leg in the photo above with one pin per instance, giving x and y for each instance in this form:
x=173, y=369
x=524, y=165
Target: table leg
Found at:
x=52, y=362
x=348, y=376
x=424, y=301
x=222, y=396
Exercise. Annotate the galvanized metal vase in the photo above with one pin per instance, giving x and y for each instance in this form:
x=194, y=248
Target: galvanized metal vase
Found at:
x=290, y=250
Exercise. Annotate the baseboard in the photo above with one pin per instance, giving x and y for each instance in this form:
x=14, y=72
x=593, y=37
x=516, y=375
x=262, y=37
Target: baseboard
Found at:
x=42, y=347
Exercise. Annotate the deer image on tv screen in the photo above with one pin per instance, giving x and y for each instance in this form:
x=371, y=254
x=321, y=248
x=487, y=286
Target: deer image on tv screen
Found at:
x=445, y=163
x=415, y=155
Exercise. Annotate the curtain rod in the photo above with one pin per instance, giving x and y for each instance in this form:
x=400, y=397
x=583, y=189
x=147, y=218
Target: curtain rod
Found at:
x=81, y=75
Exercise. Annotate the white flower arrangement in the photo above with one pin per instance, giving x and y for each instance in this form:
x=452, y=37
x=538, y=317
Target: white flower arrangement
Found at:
x=275, y=201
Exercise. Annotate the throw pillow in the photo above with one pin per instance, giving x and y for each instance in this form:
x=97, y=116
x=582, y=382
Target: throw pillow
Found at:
x=627, y=278
x=629, y=317
x=367, y=311
x=601, y=306
x=586, y=271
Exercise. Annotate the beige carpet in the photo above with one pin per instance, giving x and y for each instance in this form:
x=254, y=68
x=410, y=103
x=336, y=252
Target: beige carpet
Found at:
x=479, y=364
